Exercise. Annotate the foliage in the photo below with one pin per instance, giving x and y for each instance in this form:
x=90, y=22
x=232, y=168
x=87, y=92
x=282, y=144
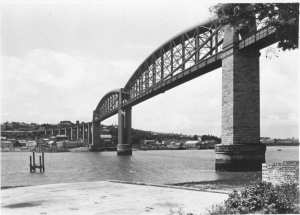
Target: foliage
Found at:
x=263, y=198
x=283, y=16
x=210, y=137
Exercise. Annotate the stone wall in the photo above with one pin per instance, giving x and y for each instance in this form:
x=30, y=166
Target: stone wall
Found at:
x=278, y=173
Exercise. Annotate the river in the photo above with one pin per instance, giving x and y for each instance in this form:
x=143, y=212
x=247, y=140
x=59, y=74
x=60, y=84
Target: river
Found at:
x=158, y=167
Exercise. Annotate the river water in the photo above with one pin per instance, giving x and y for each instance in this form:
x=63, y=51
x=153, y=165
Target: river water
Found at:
x=158, y=167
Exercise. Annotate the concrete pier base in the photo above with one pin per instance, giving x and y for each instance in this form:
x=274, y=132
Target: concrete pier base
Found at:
x=124, y=132
x=124, y=149
x=239, y=157
x=93, y=148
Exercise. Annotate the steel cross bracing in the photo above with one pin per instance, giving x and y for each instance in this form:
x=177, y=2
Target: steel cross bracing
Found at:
x=188, y=55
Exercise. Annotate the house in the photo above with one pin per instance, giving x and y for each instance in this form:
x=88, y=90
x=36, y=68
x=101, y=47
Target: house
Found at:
x=208, y=144
x=191, y=144
x=7, y=145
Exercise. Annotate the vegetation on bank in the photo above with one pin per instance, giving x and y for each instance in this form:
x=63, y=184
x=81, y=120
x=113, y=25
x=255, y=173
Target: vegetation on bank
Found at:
x=21, y=130
x=263, y=198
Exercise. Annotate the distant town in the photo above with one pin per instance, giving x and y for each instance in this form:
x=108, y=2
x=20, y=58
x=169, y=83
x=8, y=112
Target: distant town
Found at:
x=20, y=136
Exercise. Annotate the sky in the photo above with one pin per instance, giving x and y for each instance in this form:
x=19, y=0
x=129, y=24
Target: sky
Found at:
x=60, y=57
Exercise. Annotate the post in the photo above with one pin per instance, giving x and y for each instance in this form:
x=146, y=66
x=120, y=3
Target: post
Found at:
x=240, y=149
x=33, y=159
x=43, y=161
x=40, y=158
x=30, y=165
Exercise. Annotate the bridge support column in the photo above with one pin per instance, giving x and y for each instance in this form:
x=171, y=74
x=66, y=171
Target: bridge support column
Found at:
x=89, y=134
x=71, y=133
x=124, y=132
x=96, y=141
x=240, y=149
x=77, y=130
x=83, y=132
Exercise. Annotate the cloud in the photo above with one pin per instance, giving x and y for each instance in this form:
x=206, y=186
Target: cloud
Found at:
x=59, y=59
x=48, y=86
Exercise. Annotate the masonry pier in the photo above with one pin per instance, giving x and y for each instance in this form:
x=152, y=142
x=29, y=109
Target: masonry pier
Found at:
x=124, y=132
x=240, y=148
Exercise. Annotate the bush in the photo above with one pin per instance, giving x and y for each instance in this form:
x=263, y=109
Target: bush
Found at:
x=262, y=198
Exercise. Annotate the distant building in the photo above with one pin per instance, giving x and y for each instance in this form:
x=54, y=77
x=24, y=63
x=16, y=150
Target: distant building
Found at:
x=65, y=123
x=208, y=144
x=175, y=145
x=270, y=141
x=190, y=144
x=149, y=142
x=7, y=145
x=267, y=140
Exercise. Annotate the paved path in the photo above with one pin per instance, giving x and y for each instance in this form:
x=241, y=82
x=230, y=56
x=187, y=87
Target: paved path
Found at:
x=103, y=198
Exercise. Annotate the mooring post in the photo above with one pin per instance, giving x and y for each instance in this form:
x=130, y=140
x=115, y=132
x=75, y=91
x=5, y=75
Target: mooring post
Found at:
x=40, y=158
x=30, y=165
x=43, y=159
x=33, y=161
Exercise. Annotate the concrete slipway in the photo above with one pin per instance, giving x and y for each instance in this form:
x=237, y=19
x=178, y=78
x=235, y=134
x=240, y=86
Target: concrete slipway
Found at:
x=105, y=197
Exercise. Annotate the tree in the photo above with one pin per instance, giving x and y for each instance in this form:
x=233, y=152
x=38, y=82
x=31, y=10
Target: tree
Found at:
x=283, y=16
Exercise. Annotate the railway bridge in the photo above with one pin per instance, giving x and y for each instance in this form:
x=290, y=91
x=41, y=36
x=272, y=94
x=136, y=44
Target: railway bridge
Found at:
x=189, y=55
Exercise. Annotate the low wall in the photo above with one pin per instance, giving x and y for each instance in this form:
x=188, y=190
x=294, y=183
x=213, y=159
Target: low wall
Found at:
x=278, y=173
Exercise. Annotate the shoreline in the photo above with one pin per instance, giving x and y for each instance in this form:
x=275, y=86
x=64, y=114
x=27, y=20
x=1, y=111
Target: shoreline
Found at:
x=204, y=186
x=85, y=149
x=107, y=197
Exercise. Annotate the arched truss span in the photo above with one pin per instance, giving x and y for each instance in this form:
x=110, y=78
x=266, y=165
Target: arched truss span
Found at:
x=109, y=102
x=184, y=57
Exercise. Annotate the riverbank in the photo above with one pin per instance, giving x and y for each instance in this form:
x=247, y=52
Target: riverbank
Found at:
x=222, y=186
x=106, y=197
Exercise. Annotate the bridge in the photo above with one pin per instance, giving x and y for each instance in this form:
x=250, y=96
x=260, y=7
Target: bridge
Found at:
x=189, y=55
x=76, y=132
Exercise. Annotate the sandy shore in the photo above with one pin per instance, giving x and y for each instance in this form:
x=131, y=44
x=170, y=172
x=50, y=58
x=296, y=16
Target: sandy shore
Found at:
x=106, y=197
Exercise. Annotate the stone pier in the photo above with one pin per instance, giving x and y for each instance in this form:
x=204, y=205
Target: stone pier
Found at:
x=240, y=148
x=124, y=129
x=96, y=143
